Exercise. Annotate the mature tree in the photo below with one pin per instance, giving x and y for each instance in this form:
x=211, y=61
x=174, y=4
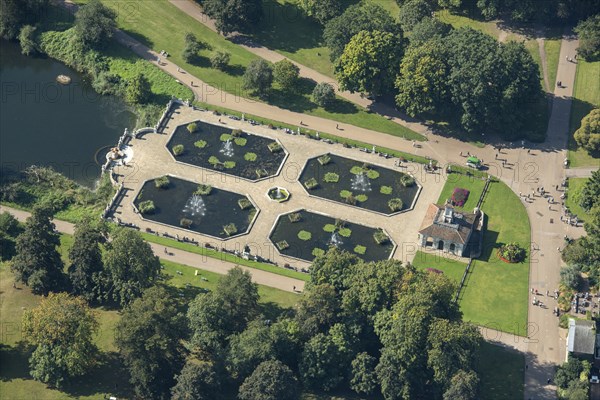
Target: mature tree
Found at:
x=130, y=267
x=590, y=194
x=428, y=29
x=589, y=37
x=258, y=77
x=320, y=367
x=27, y=40
x=148, y=337
x=422, y=82
x=333, y=268
x=462, y=386
x=95, y=23
x=9, y=230
x=220, y=60
x=234, y=15
x=521, y=89
x=369, y=62
x=570, y=276
x=286, y=74
x=322, y=10
x=85, y=271
x=364, y=379
x=138, y=90
x=271, y=380
x=198, y=380
x=38, y=263
x=249, y=348
x=191, y=48
x=286, y=340
x=215, y=316
x=62, y=328
x=318, y=310
x=570, y=371
x=16, y=13
x=413, y=12
x=323, y=94
x=453, y=346
x=588, y=134
x=364, y=16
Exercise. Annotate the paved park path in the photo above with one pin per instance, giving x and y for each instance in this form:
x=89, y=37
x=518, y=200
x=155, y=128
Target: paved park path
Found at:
x=191, y=259
x=523, y=172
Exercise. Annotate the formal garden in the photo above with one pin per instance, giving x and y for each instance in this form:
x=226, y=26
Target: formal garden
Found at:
x=359, y=184
x=234, y=152
x=305, y=235
x=196, y=207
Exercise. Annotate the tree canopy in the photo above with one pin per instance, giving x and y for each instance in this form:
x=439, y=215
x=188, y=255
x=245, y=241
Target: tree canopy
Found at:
x=16, y=13
x=589, y=38
x=323, y=94
x=234, y=15
x=286, y=74
x=258, y=77
x=95, y=23
x=412, y=12
x=198, y=380
x=588, y=134
x=322, y=10
x=85, y=271
x=271, y=380
x=62, y=328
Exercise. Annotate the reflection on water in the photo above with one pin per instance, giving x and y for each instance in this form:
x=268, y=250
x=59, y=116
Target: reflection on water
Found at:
x=45, y=123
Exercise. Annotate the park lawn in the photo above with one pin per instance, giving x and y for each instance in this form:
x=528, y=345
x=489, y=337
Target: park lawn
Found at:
x=495, y=293
x=502, y=373
x=453, y=269
x=460, y=21
x=552, y=49
x=390, y=6
x=156, y=24
x=224, y=256
x=572, y=201
x=586, y=96
x=472, y=184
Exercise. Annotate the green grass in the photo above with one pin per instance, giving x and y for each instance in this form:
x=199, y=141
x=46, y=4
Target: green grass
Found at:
x=472, y=184
x=452, y=269
x=534, y=49
x=153, y=24
x=572, y=201
x=552, y=48
x=224, y=256
x=459, y=21
x=586, y=96
x=501, y=372
x=495, y=293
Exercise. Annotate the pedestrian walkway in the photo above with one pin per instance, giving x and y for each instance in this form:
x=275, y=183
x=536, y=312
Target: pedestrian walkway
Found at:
x=190, y=259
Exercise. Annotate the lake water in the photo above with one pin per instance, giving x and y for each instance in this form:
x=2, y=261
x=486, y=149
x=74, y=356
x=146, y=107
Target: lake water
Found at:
x=44, y=123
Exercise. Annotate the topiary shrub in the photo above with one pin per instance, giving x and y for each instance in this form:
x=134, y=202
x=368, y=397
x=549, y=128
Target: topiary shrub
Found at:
x=261, y=173
x=304, y=235
x=317, y=252
x=358, y=249
x=511, y=252
x=372, y=174
x=357, y=170
x=236, y=133
x=331, y=177
x=311, y=184
x=380, y=237
x=295, y=217
x=203, y=190
x=361, y=198
x=395, y=204
x=230, y=229
x=274, y=147
x=407, y=181
x=282, y=245
x=250, y=156
x=244, y=203
x=324, y=159
x=240, y=141
x=146, y=207
x=200, y=144
x=162, y=182
x=185, y=223
x=386, y=190
x=229, y=164
x=178, y=149
x=193, y=127
x=212, y=160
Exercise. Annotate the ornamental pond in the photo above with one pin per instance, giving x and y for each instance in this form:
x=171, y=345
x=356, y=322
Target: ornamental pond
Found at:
x=199, y=208
x=359, y=184
x=234, y=152
x=305, y=235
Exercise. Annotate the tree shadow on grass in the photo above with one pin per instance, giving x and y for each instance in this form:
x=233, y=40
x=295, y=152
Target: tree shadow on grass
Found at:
x=110, y=377
x=488, y=252
x=235, y=70
x=272, y=310
x=14, y=361
x=296, y=99
x=341, y=106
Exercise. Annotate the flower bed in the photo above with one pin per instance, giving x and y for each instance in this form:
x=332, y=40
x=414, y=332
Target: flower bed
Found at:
x=511, y=253
x=459, y=197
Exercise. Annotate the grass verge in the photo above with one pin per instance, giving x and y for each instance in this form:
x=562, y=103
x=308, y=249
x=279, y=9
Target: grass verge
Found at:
x=572, y=201
x=501, y=372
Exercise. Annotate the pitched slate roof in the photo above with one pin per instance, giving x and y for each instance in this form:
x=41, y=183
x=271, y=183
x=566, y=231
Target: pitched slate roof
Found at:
x=582, y=336
x=457, y=231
